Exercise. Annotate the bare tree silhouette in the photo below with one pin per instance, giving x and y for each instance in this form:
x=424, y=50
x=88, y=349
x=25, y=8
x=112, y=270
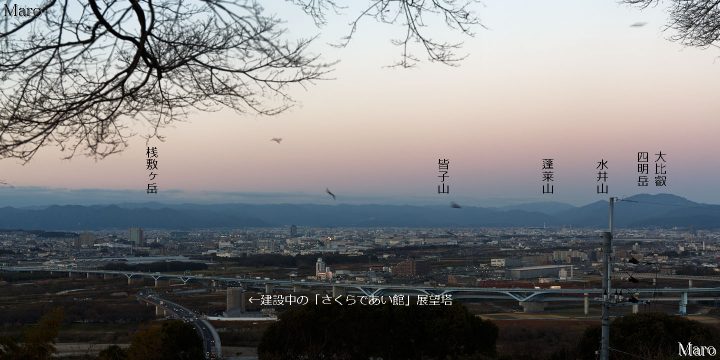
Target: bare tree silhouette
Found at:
x=697, y=22
x=77, y=73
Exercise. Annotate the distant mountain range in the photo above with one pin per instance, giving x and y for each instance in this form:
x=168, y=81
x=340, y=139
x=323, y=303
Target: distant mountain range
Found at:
x=638, y=211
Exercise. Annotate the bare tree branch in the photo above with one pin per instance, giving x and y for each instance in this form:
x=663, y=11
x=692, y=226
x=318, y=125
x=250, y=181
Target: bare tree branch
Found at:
x=697, y=22
x=78, y=74
x=413, y=16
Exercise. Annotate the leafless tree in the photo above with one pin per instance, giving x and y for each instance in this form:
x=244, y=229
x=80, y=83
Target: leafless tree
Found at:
x=78, y=74
x=697, y=22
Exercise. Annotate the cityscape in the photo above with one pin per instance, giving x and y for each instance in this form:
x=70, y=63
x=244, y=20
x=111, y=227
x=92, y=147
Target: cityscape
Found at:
x=231, y=284
x=359, y=180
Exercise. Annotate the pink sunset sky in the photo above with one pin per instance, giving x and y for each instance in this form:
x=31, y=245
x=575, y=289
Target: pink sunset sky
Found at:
x=555, y=79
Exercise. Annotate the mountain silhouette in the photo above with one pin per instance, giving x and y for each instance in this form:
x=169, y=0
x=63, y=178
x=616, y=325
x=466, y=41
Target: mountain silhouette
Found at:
x=639, y=211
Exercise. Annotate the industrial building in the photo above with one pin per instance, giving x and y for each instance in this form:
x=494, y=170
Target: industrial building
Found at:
x=534, y=272
x=411, y=268
x=570, y=256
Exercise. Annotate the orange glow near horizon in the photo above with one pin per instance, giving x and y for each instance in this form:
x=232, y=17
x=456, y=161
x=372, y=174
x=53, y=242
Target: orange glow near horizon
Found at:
x=576, y=86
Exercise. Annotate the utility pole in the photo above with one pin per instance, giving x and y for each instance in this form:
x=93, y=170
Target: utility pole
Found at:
x=607, y=287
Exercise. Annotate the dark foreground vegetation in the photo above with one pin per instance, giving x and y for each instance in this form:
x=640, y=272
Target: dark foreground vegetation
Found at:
x=169, y=340
x=649, y=336
x=387, y=332
x=394, y=332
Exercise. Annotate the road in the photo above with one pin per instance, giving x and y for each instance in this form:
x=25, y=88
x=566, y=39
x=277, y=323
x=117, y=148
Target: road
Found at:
x=211, y=341
x=518, y=294
x=378, y=289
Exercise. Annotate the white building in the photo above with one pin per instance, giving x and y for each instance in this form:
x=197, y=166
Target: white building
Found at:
x=322, y=271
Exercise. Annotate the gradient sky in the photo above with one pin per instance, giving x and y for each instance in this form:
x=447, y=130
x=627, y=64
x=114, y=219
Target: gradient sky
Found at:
x=565, y=79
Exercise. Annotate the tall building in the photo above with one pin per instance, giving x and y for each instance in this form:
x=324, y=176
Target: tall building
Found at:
x=137, y=237
x=235, y=300
x=293, y=231
x=319, y=266
x=322, y=271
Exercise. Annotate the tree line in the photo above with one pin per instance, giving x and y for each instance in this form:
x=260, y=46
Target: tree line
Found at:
x=169, y=340
x=380, y=332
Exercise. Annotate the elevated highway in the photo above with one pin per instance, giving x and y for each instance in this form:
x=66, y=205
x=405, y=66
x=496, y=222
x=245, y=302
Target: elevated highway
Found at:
x=523, y=295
